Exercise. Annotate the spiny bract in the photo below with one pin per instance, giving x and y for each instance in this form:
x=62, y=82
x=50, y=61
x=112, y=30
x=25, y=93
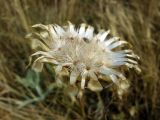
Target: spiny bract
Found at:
x=85, y=55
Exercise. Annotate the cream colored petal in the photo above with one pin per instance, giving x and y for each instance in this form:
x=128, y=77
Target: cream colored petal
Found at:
x=36, y=43
x=104, y=35
x=67, y=64
x=49, y=60
x=94, y=85
x=127, y=51
x=83, y=80
x=52, y=32
x=45, y=59
x=40, y=26
x=116, y=44
x=89, y=32
x=38, y=59
x=114, y=78
x=110, y=41
x=37, y=64
x=81, y=31
x=120, y=63
x=122, y=55
x=137, y=68
x=40, y=38
x=73, y=77
x=97, y=36
x=125, y=60
x=59, y=30
x=71, y=29
x=108, y=71
x=42, y=53
x=44, y=34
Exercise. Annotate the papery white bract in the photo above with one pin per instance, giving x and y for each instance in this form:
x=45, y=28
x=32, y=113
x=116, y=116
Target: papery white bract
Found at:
x=83, y=53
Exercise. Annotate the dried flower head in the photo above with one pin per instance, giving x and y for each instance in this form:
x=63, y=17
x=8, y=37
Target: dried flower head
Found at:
x=84, y=54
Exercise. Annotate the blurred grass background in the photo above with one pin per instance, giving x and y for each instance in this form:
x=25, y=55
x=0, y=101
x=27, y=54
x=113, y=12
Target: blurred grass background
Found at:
x=26, y=95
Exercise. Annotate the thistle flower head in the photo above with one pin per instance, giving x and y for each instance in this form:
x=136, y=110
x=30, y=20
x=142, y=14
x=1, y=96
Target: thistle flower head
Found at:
x=84, y=54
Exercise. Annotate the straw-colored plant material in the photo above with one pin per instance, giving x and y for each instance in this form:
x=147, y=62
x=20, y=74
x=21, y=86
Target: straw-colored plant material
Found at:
x=84, y=54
